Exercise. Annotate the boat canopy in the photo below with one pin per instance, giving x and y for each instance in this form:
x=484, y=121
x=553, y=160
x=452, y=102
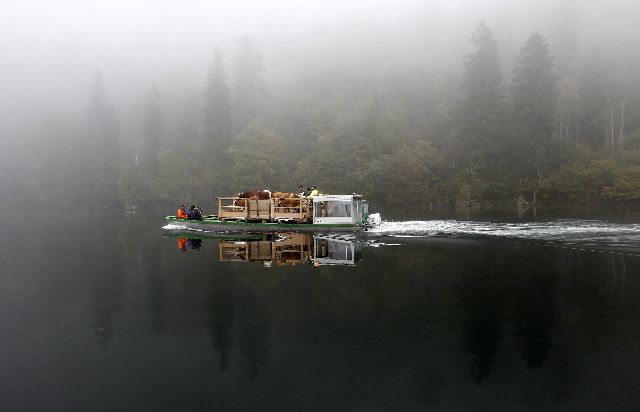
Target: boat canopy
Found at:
x=338, y=209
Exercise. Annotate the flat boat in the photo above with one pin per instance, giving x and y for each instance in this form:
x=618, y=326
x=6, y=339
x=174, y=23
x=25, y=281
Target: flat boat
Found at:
x=322, y=213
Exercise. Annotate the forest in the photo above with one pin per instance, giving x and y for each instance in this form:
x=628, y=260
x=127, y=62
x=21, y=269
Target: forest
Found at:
x=556, y=122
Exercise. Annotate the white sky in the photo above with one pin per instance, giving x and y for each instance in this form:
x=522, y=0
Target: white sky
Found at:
x=136, y=21
x=49, y=48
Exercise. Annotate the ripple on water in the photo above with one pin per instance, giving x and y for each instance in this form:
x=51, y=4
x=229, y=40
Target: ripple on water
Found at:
x=579, y=232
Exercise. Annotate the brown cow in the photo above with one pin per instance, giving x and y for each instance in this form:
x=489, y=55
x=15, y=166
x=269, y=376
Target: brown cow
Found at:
x=263, y=195
x=285, y=195
x=286, y=201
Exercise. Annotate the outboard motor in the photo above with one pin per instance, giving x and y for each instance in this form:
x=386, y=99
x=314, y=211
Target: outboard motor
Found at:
x=374, y=220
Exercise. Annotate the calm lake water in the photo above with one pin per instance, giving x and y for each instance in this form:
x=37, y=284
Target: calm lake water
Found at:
x=104, y=312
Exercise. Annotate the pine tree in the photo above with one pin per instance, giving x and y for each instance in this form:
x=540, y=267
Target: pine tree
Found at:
x=482, y=111
x=564, y=42
x=153, y=128
x=257, y=155
x=594, y=93
x=102, y=149
x=534, y=97
x=217, y=109
x=249, y=91
x=564, y=21
x=217, y=134
x=534, y=105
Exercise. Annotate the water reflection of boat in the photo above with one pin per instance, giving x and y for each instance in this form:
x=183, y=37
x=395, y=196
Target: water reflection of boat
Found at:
x=294, y=248
x=187, y=234
x=281, y=248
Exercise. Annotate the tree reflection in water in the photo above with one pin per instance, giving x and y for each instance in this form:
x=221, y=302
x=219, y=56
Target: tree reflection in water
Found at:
x=107, y=279
x=156, y=284
x=221, y=305
x=253, y=329
x=483, y=301
x=535, y=311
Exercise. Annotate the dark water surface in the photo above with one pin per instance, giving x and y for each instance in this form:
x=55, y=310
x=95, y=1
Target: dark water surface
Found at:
x=103, y=312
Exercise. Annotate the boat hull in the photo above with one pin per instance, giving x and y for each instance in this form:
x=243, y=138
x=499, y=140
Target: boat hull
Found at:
x=215, y=225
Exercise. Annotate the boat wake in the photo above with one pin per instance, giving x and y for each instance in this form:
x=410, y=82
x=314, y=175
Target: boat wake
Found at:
x=584, y=232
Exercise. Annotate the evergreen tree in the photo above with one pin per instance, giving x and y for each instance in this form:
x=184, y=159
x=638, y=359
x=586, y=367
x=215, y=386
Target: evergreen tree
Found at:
x=102, y=154
x=217, y=128
x=534, y=100
x=249, y=89
x=217, y=110
x=257, y=155
x=153, y=128
x=563, y=37
x=594, y=94
x=482, y=111
x=564, y=22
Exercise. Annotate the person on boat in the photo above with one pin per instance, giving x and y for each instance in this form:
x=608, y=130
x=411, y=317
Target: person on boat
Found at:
x=182, y=212
x=301, y=191
x=194, y=213
x=314, y=192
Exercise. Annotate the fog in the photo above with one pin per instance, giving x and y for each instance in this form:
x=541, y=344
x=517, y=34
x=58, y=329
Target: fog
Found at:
x=408, y=54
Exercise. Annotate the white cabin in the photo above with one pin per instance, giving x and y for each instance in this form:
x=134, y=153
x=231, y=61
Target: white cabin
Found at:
x=339, y=209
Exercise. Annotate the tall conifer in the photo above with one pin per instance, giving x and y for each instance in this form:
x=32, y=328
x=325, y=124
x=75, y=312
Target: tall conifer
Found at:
x=249, y=91
x=102, y=154
x=217, y=109
x=482, y=114
x=534, y=95
x=153, y=127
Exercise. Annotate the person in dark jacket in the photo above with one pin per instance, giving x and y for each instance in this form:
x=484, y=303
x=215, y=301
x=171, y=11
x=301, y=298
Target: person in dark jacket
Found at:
x=194, y=213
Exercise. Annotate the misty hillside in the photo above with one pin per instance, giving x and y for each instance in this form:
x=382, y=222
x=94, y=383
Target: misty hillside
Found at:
x=436, y=104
